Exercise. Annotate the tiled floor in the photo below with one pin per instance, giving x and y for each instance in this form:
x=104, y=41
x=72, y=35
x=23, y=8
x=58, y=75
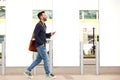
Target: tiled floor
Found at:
x=65, y=77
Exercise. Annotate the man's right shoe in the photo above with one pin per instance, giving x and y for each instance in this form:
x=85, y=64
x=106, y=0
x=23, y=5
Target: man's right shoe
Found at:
x=28, y=74
x=50, y=76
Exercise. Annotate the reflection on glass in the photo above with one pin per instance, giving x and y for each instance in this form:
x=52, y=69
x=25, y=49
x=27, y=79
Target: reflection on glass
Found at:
x=48, y=13
x=89, y=24
x=1, y=40
x=2, y=28
x=88, y=14
x=2, y=12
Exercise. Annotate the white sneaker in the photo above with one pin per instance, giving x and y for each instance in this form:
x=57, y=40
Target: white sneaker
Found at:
x=51, y=76
x=28, y=74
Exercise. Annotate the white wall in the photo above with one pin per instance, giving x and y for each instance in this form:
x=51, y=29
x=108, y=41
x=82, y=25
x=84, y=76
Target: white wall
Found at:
x=18, y=32
x=19, y=29
x=66, y=40
x=66, y=45
x=109, y=32
x=88, y=4
x=42, y=4
x=66, y=23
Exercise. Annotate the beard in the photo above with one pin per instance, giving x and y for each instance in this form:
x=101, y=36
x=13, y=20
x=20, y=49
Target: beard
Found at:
x=45, y=19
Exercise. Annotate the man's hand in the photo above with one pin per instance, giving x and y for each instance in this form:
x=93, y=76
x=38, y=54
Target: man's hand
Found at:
x=52, y=33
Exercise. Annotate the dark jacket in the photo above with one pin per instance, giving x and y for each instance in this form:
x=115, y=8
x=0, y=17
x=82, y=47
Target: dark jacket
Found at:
x=40, y=34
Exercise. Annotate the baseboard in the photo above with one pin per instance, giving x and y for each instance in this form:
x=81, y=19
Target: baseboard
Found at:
x=88, y=69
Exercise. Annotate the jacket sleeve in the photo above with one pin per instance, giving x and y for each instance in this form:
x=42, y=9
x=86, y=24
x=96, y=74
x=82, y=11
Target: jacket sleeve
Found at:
x=48, y=35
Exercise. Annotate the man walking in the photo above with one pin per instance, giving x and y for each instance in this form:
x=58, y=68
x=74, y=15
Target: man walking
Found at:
x=40, y=36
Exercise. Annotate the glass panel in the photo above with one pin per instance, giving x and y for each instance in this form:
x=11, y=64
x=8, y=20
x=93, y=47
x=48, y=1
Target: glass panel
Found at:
x=2, y=12
x=89, y=24
x=2, y=29
x=88, y=14
x=48, y=13
x=80, y=15
x=1, y=40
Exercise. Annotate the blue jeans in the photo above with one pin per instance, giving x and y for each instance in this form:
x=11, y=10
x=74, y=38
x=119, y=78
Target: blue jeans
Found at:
x=42, y=54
